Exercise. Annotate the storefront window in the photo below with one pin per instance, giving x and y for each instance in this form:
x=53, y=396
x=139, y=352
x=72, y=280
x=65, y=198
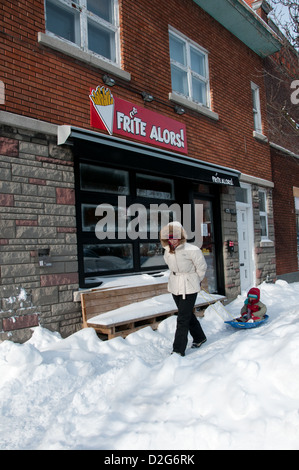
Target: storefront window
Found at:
x=121, y=213
x=154, y=187
x=91, y=217
x=108, y=257
x=106, y=180
x=151, y=255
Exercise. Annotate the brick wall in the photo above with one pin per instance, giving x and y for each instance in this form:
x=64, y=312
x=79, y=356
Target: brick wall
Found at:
x=286, y=175
x=48, y=85
x=37, y=208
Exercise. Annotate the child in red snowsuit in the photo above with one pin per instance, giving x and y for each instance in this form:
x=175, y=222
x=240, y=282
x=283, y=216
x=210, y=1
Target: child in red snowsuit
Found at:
x=253, y=309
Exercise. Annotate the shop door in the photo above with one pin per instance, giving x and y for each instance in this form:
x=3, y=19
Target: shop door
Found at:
x=246, y=274
x=208, y=245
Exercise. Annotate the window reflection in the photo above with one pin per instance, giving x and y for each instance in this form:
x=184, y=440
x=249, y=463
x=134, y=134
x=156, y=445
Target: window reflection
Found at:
x=106, y=180
x=151, y=255
x=154, y=187
x=108, y=257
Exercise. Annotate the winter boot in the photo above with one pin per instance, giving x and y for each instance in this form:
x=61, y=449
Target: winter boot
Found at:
x=197, y=345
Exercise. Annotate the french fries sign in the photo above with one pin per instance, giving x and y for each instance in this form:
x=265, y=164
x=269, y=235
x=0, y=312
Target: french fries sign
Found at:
x=123, y=118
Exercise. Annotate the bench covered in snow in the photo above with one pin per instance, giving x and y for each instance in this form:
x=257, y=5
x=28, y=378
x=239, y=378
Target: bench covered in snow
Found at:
x=140, y=307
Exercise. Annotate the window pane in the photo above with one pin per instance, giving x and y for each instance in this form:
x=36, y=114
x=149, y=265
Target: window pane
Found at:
x=253, y=99
x=109, y=219
x=107, y=180
x=263, y=220
x=199, y=91
x=241, y=195
x=89, y=219
x=99, y=258
x=197, y=62
x=101, y=41
x=102, y=8
x=179, y=80
x=262, y=201
x=155, y=187
x=61, y=21
x=177, y=50
x=151, y=255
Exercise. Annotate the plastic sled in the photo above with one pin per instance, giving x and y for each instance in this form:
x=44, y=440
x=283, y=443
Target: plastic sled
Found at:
x=246, y=325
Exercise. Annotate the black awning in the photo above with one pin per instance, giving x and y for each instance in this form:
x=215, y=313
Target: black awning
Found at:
x=126, y=154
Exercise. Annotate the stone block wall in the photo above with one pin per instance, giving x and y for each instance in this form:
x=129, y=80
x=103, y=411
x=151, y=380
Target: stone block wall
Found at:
x=230, y=232
x=264, y=250
x=37, y=212
x=265, y=259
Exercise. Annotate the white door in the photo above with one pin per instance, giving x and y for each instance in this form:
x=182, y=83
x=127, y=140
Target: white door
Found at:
x=245, y=247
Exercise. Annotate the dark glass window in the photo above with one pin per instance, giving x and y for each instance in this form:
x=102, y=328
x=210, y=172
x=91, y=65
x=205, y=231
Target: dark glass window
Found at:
x=154, y=187
x=106, y=180
x=121, y=213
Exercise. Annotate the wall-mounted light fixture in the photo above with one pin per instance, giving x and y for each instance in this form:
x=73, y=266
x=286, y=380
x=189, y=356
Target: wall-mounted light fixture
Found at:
x=108, y=80
x=147, y=97
x=179, y=109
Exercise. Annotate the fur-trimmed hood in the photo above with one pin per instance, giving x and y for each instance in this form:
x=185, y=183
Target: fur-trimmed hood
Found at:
x=176, y=230
x=186, y=262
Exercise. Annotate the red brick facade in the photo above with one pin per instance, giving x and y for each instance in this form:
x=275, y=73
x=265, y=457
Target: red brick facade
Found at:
x=48, y=85
x=285, y=175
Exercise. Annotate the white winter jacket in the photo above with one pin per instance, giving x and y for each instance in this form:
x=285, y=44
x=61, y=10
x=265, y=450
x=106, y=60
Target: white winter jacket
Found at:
x=187, y=264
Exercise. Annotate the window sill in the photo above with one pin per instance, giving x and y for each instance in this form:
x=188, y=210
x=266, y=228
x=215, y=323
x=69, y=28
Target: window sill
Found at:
x=77, y=53
x=182, y=101
x=266, y=243
x=260, y=137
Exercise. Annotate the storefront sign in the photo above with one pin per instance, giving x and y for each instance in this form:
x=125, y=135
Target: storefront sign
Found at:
x=120, y=117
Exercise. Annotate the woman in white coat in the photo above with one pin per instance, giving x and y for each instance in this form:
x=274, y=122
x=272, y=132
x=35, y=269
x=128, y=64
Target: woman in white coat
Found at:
x=187, y=267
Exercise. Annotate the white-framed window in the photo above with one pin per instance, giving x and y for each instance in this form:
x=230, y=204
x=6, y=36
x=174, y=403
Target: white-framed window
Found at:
x=256, y=107
x=189, y=69
x=263, y=214
x=91, y=25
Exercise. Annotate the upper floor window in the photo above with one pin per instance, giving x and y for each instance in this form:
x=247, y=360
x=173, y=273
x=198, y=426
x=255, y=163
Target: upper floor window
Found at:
x=90, y=24
x=189, y=69
x=256, y=106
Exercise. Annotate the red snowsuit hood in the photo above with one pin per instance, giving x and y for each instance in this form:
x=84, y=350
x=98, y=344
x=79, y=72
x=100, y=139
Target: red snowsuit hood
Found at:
x=254, y=291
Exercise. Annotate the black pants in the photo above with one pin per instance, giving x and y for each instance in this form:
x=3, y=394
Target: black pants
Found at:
x=186, y=322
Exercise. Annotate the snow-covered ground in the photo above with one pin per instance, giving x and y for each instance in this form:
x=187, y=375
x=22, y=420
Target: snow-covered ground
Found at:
x=240, y=390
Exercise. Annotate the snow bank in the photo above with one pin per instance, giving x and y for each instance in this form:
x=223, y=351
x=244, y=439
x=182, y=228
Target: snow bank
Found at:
x=240, y=390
